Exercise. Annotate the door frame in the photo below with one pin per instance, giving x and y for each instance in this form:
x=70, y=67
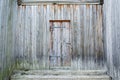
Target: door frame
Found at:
x=60, y=21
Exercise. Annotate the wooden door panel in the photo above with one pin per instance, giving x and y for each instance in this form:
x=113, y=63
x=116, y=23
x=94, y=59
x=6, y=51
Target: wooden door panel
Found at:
x=56, y=52
x=66, y=45
x=60, y=44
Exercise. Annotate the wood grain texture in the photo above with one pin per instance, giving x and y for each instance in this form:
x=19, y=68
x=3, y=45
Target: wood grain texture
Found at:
x=60, y=50
x=112, y=37
x=7, y=24
x=86, y=35
x=37, y=2
x=25, y=35
x=60, y=1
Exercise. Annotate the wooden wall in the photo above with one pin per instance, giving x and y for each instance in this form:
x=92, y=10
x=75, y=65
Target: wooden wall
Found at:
x=112, y=37
x=33, y=35
x=24, y=39
x=7, y=22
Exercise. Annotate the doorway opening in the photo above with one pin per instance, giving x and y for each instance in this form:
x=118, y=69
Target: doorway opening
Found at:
x=60, y=44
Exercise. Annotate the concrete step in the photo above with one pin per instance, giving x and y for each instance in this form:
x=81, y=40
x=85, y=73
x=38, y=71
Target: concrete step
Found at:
x=38, y=77
x=60, y=75
x=61, y=72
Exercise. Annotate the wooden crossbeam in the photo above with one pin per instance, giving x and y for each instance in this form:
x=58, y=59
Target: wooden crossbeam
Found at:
x=59, y=20
x=37, y=2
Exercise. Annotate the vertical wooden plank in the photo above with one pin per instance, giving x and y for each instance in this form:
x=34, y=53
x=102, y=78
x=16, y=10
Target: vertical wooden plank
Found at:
x=8, y=35
x=19, y=31
x=34, y=36
x=55, y=43
x=38, y=53
x=27, y=27
x=96, y=39
x=74, y=26
x=51, y=43
x=87, y=36
x=36, y=21
x=2, y=30
x=85, y=43
x=66, y=16
x=14, y=22
x=51, y=25
x=47, y=35
x=64, y=48
x=72, y=32
x=55, y=12
x=1, y=39
x=62, y=9
x=79, y=37
x=44, y=33
x=91, y=47
x=22, y=36
x=59, y=44
x=68, y=12
x=37, y=39
x=17, y=43
x=66, y=41
x=5, y=36
x=1, y=47
x=69, y=31
x=76, y=41
x=59, y=12
x=30, y=38
x=82, y=34
x=99, y=53
x=25, y=39
x=2, y=51
x=52, y=12
x=101, y=56
x=94, y=26
x=41, y=28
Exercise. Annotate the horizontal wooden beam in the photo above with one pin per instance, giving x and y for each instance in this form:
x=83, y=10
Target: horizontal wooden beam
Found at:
x=38, y=2
x=59, y=20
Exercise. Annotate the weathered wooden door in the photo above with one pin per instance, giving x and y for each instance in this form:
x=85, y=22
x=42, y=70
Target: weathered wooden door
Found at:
x=60, y=49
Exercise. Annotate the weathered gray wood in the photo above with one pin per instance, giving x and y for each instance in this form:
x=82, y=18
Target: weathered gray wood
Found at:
x=26, y=36
x=112, y=37
x=7, y=23
x=37, y=2
x=86, y=35
x=60, y=50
